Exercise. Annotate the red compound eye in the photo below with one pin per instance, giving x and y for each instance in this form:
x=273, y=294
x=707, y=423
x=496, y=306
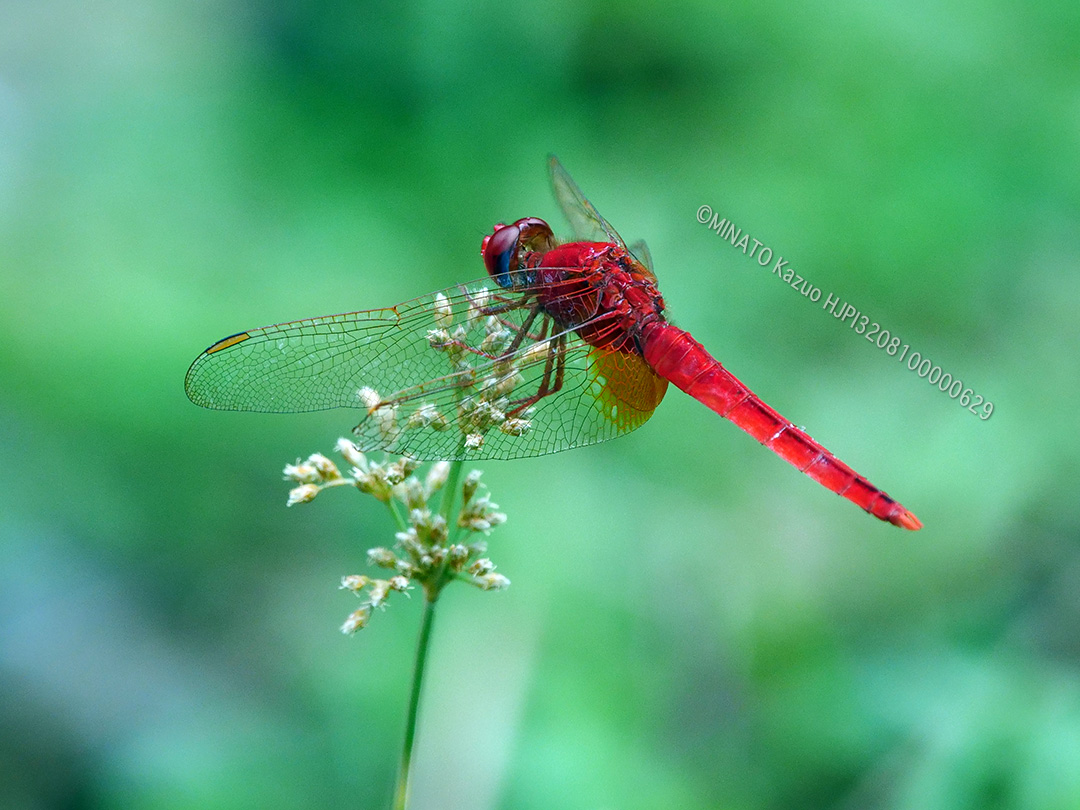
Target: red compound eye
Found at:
x=502, y=249
x=535, y=234
x=501, y=253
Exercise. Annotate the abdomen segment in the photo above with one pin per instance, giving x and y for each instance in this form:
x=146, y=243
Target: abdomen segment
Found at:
x=676, y=356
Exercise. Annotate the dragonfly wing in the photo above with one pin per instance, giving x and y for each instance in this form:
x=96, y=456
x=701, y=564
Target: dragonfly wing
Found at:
x=585, y=221
x=523, y=405
x=469, y=372
x=321, y=363
x=642, y=254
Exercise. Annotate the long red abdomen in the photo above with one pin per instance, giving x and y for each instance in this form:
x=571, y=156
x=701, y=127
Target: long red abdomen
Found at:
x=677, y=357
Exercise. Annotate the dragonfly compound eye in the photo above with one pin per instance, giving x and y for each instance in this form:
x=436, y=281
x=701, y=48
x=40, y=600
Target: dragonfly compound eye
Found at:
x=503, y=249
x=535, y=234
x=501, y=253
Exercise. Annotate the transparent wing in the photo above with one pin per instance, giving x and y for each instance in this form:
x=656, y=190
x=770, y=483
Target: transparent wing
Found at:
x=585, y=221
x=561, y=393
x=469, y=372
x=321, y=363
x=643, y=254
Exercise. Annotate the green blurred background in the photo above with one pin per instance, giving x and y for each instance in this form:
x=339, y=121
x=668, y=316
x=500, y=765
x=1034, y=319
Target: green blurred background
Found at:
x=692, y=624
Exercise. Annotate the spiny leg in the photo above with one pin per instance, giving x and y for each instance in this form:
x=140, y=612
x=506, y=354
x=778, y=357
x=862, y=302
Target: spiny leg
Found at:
x=523, y=331
x=555, y=362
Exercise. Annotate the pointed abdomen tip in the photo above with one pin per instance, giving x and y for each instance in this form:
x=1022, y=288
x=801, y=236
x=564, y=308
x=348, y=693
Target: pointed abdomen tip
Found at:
x=906, y=520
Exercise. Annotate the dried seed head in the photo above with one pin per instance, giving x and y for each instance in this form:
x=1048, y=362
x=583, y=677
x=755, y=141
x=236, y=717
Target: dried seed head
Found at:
x=516, y=427
x=481, y=567
x=351, y=453
x=437, y=529
x=357, y=620
x=301, y=472
x=536, y=353
x=438, y=339
x=478, y=304
x=457, y=555
x=427, y=415
x=436, y=477
x=382, y=557
x=369, y=397
x=378, y=591
x=412, y=493
x=354, y=582
x=444, y=313
x=496, y=342
x=492, y=582
x=374, y=482
x=326, y=468
x=407, y=536
x=385, y=417
x=472, y=481
x=302, y=494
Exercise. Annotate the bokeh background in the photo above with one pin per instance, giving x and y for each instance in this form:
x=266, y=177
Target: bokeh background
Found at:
x=691, y=624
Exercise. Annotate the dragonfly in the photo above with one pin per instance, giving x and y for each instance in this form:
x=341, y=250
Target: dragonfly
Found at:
x=562, y=344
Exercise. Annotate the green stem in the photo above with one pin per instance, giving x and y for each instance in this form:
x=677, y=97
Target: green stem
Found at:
x=431, y=593
x=395, y=510
x=450, y=489
x=401, y=794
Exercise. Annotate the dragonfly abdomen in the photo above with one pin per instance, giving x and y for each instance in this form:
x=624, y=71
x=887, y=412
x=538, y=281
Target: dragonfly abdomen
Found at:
x=676, y=356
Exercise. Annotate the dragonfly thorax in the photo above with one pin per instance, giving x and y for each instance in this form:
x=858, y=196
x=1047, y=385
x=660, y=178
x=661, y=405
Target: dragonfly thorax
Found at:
x=601, y=291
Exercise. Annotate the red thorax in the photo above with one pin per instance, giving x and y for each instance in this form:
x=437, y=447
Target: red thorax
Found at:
x=601, y=285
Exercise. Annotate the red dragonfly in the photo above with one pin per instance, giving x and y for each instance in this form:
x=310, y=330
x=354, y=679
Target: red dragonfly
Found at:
x=563, y=344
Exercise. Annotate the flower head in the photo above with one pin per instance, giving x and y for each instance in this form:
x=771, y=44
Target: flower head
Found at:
x=357, y=620
x=428, y=550
x=301, y=472
x=302, y=494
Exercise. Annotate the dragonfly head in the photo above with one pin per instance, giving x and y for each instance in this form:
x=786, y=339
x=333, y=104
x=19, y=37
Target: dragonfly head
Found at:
x=503, y=249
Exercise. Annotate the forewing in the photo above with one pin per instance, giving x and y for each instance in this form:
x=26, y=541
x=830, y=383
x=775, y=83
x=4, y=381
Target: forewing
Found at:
x=321, y=363
x=642, y=254
x=585, y=221
x=468, y=372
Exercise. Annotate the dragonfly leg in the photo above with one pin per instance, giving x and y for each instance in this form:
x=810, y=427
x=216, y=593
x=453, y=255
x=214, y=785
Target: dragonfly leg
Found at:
x=523, y=331
x=554, y=364
x=505, y=305
x=534, y=337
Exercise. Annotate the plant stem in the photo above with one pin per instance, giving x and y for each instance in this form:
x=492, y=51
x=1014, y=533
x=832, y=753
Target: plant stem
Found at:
x=431, y=594
x=450, y=488
x=401, y=794
x=395, y=510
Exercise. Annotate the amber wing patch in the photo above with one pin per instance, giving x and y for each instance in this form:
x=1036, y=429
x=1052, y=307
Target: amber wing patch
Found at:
x=627, y=389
